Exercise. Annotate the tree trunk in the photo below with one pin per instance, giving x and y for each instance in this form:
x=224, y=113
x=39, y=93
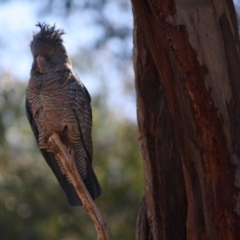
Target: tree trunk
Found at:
x=187, y=77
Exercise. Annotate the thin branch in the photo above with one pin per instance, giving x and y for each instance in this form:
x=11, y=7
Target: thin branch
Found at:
x=67, y=161
x=142, y=225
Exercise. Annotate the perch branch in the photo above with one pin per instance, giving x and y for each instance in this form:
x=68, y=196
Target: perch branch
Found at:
x=67, y=161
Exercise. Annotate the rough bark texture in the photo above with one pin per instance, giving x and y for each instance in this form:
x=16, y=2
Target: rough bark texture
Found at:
x=187, y=72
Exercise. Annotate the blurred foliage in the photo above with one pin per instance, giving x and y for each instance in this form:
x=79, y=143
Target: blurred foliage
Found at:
x=32, y=204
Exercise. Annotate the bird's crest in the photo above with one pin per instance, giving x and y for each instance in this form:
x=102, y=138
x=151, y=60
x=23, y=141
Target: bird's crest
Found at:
x=50, y=32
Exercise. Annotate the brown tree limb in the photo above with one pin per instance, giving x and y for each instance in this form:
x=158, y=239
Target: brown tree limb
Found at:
x=142, y=225
x=67, y=161
x=197, y=120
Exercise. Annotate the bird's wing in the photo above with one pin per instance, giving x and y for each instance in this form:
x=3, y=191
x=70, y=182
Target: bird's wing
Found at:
x=53, y=162
x=81, y=106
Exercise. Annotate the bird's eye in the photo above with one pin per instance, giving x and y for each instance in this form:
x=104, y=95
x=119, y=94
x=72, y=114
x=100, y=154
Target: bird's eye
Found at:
x=50, y=56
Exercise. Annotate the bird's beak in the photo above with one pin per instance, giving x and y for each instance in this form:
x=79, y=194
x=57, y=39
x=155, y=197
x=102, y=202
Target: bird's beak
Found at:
x=40, y=61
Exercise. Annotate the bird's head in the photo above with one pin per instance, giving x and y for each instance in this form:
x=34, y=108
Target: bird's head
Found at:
x=48, y=51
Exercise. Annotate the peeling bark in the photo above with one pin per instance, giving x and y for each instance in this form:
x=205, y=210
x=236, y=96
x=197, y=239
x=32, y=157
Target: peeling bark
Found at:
x=186, y=62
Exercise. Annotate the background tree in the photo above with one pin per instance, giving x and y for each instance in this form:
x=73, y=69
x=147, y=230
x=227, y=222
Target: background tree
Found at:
x=187, y=84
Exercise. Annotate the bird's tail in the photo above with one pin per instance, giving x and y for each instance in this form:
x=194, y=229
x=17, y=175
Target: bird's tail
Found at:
x=91, y=184
x=89, y=178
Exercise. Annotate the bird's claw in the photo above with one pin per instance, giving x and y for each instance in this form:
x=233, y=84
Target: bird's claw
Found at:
x=71, y=157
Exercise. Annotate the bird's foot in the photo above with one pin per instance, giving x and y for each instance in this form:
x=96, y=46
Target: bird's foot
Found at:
x=71, y=158
x=56, y=145
x=66, y=155
x=52, y=146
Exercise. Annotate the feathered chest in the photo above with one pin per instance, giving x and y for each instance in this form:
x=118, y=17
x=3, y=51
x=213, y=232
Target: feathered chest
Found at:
x=49, y=101
x=48, y=95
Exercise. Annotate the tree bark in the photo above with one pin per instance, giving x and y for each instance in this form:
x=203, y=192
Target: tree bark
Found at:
x=187, y=72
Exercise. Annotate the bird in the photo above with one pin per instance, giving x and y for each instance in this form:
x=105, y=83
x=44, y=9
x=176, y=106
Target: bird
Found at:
x=57, y=101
